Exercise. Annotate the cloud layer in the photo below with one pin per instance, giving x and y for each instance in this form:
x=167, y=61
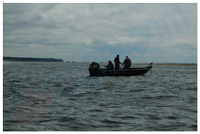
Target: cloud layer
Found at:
x=85, y=32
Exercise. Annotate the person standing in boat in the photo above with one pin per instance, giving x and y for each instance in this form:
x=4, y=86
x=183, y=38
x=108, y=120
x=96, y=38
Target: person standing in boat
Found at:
x=116, y=60
x=110, y=66
x=127, y=63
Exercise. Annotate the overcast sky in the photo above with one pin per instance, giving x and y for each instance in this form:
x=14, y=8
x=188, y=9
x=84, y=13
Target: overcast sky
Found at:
x=98, y=32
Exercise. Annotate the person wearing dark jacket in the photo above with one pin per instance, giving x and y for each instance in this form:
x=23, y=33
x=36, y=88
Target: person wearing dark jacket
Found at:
x=127, y=63
x=110, y=66
x=116, y=60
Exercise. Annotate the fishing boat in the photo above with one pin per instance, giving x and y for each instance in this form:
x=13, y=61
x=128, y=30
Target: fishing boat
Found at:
x=95, y=70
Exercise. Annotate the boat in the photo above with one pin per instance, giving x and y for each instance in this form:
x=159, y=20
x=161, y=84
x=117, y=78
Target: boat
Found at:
x=95, y=70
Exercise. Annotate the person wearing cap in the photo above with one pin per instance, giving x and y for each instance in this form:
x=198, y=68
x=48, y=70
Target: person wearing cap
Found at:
x=127, y=63
x=110, y=66
x=116, y=60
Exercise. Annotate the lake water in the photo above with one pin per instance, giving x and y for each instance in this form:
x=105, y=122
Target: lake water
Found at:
x=50, y=96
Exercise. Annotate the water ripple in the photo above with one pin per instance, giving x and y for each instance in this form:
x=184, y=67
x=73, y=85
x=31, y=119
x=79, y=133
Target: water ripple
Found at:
x=166, y=100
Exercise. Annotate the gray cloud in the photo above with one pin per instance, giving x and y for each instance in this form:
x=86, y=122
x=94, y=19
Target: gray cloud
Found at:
x=79, y=28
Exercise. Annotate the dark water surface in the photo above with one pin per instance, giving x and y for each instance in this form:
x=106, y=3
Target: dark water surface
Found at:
x=41, y=96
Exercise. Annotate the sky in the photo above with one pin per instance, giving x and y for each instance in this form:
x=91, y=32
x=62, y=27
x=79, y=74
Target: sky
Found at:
x=165, y=32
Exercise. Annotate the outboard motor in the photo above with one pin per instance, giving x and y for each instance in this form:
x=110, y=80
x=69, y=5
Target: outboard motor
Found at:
x=95, y=70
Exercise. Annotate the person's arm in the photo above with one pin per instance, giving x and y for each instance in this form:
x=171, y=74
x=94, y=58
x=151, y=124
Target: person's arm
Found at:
x=124, y=62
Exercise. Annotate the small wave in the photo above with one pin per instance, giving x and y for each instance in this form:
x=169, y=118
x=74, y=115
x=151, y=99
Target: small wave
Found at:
x=63, y=119
x=137, y=90
x=172, y=117
x=194, y=127
x=15, y=81
x=76, y=127
x=45, y=120
x=112, y=121
x=95, y=110
x=187, y=109
x=158, y=97
x=192, y=89
x=128, y=117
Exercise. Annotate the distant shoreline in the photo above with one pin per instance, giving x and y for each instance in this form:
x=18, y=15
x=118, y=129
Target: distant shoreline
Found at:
x=171, y=64
x=32, y=59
